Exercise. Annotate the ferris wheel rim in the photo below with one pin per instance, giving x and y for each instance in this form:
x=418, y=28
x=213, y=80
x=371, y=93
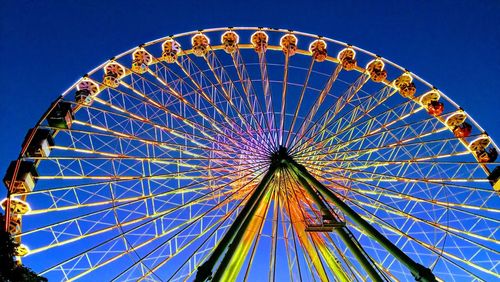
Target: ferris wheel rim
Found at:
x=39, y=124
x=276, y=30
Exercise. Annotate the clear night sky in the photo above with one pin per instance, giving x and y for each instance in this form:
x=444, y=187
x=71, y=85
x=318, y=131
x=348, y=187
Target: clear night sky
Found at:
x=46, y=46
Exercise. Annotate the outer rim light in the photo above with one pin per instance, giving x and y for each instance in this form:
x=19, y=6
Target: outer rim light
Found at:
x=18, y=200
x=192, y=38
x=259, y=32
x=459, y=112
x=433, y=91
x=173, y=43
x=86, y=79
x=347, y=48
x=28, y=251
x=375, y=60
x=482, y=137
x=227, y=32
x=286, y=35
x=116, y=63
x=143, y=50
x=317, y=40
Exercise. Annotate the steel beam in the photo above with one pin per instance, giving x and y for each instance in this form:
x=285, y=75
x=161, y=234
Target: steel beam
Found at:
x=419, y=272
x=235, y=232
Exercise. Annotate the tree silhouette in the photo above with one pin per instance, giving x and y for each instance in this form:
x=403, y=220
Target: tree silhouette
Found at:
x=10, y=269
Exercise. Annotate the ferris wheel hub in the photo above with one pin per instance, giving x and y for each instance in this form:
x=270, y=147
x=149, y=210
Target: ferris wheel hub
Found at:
x=279, y=156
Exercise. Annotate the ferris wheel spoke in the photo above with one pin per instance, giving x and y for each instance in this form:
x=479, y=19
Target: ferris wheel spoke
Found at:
x=331, y=112
x=212, y=120
x=253, y=101
x=408, y=191
x=454, y=207
x=193, y=73
x=229, y=95
x=223, y=77
x=476, y=248
x=112, y=143
x=381, y=149
x=349, y=120
x=181, y=90
x=163, y=207
x=94, y=194
x=206, y=132
x=191, y=70
x=458, y=261
x=84, y=235
x=124, y=102
x=374, y=124
x=266, y=88
x=178, y=120
x=410, y=213
x=217, y=126
x=379, y=137
x=130, y=128
x=158, y=260
x=250, y=234
x=299, y=104
x=395, y=176
x=466, y=242
x=113, y=240
x=98, y=168
x=174, y=242
x=283, y=99
x=304, y=126
x=437, y=252
x=392, y=170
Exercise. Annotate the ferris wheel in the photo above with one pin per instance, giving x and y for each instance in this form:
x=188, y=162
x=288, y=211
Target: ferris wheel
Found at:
x=255, y=154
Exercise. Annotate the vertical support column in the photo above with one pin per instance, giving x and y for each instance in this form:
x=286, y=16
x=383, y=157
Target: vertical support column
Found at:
x=353, y=247
x=233, y=235
x=419, y=272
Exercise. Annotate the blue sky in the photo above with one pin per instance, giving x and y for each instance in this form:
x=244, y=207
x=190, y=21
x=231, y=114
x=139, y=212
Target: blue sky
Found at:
x=48, y=45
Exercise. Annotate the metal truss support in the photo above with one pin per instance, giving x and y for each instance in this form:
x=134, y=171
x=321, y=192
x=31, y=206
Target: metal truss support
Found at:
x=419, y=272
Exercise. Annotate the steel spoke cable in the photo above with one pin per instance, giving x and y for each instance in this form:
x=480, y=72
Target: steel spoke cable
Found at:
x=249, y=90
x=220, y=221
x=385, y=126
x=228, y=97
x=117, y=180
x=158, y=144
x=207, y=97
x=190, y=122
x=304, y=125
x=143, y=198
x=283, y=99
x=154, y=218
x=331, y=121
x=297, y=108
x=392, y=193
x=198, y=111
x=337, y=106
x=268, y=97
x=225, y=95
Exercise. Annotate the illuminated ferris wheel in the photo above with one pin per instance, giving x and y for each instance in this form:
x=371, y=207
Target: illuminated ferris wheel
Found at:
x=255, y=154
